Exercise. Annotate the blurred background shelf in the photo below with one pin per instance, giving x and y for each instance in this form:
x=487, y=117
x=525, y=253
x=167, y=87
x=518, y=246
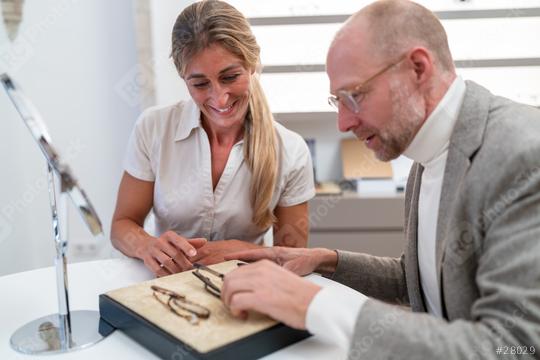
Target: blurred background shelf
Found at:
x=371, y=224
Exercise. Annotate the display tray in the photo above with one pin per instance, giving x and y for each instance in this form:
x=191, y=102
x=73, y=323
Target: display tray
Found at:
x=136, y=312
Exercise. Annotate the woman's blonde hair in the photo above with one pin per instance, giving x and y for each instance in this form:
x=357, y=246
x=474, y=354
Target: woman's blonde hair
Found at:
x=215, y=22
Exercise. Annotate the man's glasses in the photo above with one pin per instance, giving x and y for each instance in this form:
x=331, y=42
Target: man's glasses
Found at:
x=180, y=306
x=351, y=99
x=209, y=285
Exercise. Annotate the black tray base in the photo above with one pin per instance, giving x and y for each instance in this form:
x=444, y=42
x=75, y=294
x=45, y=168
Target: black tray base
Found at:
x=115, y=315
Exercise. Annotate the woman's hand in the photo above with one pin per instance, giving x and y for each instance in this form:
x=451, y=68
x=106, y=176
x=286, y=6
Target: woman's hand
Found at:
x=300, y=261
x=169, y=253
x=214, y=252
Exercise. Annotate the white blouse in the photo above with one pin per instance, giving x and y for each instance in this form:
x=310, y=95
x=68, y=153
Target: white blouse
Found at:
x=170, y=147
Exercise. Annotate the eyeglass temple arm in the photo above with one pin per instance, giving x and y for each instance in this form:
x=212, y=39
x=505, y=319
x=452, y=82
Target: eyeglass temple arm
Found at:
x=168, y=292
x=211, y=271
x=207, y=283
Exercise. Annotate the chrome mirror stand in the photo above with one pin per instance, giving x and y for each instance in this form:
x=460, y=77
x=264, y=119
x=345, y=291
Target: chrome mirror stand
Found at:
x=66, y=330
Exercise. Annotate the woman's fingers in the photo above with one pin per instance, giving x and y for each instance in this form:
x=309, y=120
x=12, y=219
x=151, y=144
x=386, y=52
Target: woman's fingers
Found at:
x=182, y=243
x=182, y=261
x=165, y=261
x=169, y=253
x=179, y=249
x=155, y=266
x=177, y=257
x=197, y=242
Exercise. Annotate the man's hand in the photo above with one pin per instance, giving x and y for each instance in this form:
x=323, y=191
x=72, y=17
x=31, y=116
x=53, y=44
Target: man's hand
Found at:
x=301, y=261
x=267, y=288
x=214, y=252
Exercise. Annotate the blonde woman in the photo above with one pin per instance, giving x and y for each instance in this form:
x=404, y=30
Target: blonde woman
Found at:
x=216, y=169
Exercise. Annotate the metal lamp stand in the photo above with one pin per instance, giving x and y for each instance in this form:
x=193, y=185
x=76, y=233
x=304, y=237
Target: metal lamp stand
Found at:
x=67, y=330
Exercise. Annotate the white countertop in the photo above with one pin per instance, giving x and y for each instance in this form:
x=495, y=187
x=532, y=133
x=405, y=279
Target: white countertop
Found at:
x=29, y=295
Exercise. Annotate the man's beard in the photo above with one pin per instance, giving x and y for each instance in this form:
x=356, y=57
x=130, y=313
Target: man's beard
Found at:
x=408, y=114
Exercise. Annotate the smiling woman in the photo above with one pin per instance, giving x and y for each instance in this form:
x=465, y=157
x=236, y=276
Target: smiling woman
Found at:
x=217, y=169
x=219, y=85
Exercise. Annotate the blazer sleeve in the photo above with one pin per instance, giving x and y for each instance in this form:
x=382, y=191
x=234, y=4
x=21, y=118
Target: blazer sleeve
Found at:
x=505, y=316
x=382, y=278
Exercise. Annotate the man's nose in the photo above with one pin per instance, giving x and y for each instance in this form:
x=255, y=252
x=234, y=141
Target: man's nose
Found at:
x=347, y=120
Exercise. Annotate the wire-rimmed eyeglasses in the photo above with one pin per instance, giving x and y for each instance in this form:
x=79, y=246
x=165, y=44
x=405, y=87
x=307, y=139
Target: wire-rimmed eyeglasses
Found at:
x=180, y=305
x=352, y=98
x=209, y=285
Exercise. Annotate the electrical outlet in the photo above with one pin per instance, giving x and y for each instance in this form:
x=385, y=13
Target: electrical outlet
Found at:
x=83, y=249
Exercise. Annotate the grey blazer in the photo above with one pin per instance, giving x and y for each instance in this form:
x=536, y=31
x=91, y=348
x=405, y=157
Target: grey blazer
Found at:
x=487, y=249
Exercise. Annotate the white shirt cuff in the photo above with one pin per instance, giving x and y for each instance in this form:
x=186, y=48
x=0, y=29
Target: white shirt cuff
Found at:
x=332, y=314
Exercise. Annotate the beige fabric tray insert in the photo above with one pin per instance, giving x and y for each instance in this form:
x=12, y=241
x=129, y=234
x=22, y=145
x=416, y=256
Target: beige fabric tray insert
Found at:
x=218, y=330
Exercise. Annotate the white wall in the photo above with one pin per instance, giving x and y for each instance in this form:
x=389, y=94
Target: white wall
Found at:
x=169, y=86
x=74, y=60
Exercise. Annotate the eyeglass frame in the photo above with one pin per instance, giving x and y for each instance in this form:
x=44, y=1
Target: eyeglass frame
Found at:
x=349, y=98
x=174, y=297
x=209, y=286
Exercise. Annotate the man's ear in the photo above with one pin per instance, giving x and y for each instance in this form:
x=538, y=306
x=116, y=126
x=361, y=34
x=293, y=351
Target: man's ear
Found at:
x=421, y=60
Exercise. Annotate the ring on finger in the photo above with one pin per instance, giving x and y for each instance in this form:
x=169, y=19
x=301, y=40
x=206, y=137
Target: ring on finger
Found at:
x=162, y=265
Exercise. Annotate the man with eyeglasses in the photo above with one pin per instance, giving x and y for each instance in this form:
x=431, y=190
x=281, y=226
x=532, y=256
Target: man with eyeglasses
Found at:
x=471, y=268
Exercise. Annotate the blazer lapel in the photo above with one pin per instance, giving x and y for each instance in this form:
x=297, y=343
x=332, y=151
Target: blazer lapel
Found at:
x=411, y=233
x=456, y=167
x=464, y=142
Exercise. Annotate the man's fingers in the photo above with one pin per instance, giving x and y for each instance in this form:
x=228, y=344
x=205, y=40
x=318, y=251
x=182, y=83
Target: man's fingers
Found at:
x=241, y=303
x=251, y=255
x=299, y=266
x=292, y=266
x=239, y=280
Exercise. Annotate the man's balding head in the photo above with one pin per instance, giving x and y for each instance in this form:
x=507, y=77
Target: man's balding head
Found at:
x=395, y=26
x=390, y=59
